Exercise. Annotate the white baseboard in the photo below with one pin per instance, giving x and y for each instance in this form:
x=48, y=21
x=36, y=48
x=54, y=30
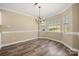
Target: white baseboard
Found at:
x=17, y=42
x=62, y=43
x=40, y=37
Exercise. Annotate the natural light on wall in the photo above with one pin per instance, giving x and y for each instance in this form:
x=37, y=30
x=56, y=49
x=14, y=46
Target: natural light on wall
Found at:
x=54, y=25
x=55, y=28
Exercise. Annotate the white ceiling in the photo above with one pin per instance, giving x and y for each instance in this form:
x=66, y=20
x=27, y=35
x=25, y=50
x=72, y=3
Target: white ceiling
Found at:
x=47, y=9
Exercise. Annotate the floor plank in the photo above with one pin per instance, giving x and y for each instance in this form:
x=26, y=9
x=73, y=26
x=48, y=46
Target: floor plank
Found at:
x=37, y=47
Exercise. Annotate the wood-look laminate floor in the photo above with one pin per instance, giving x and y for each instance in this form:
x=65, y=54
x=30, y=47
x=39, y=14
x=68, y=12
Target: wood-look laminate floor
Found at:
x=37, y=47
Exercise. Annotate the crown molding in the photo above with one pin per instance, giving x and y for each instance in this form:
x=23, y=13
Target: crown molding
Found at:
x=60, y=12
x=21, y=13
x=7, y=9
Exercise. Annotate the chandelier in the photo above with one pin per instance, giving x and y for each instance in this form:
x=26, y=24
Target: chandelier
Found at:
x=39, y=19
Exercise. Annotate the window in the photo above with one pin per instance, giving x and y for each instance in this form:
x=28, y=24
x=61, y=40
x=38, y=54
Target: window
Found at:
x=54, y=25
x=54, y=28
x=66, y=23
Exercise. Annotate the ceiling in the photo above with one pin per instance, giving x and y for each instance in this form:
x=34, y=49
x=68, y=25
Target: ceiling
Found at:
x=47, y=9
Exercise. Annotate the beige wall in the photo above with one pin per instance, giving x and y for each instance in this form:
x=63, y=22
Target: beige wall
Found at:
x=75, y=18
x=73, y=40
x=52, y=35
x=0, y=21
x=16, y=27
x=13, y=21
x=59, y=16
x=68, y=39
x=0, y=18
x=8, y=38
x=76, y=41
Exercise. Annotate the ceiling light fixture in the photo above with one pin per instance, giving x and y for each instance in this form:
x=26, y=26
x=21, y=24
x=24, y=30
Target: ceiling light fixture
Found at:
x=39, y=19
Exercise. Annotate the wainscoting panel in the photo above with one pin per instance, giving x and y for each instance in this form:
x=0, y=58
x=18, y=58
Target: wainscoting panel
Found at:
x=8, y=38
